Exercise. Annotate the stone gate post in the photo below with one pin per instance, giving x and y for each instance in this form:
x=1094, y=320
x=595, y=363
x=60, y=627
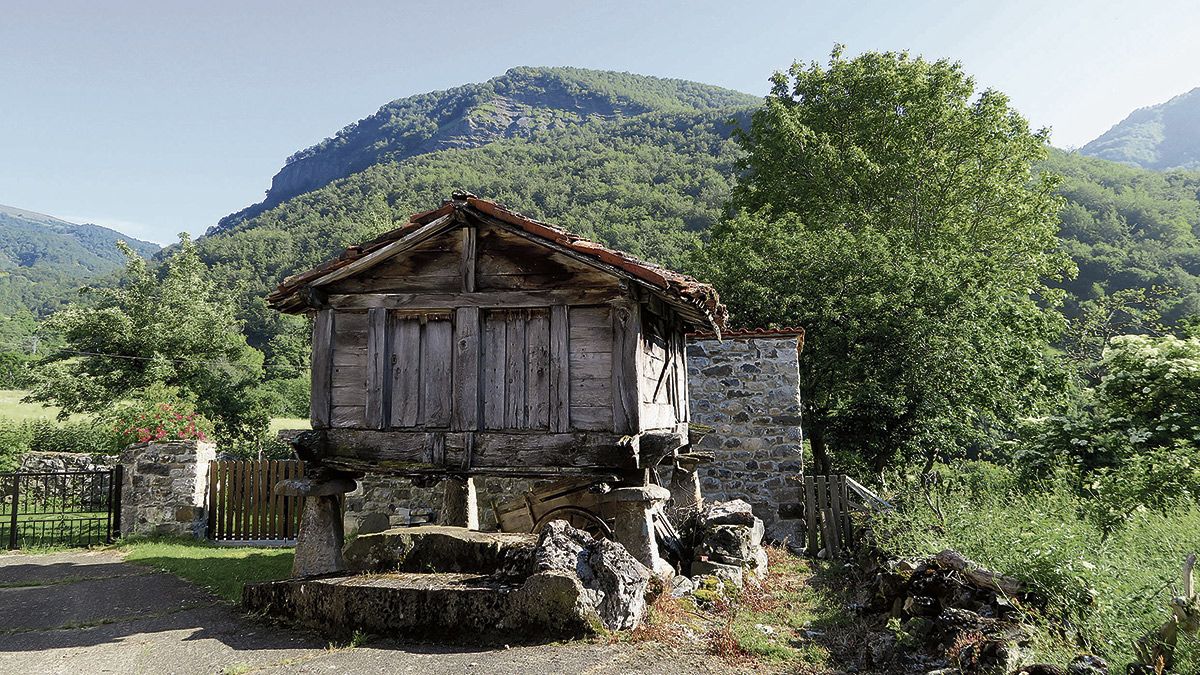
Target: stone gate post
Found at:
x=165, y=487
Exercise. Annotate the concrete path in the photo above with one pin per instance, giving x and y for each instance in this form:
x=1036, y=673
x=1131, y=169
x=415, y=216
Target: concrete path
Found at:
x=86, y=612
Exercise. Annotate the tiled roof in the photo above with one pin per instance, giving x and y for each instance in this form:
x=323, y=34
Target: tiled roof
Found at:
x=667, y=283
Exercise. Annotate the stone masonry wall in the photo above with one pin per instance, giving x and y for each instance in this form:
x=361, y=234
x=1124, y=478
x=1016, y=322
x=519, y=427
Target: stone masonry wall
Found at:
x=405, y=503
x=58, y=462
x=747, y=388
x=164, y=488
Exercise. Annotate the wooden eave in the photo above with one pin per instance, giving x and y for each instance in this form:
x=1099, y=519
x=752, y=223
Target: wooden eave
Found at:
x=696, y=302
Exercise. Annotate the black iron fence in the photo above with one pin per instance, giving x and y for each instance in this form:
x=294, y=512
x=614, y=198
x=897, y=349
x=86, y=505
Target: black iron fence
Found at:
x=66, y=508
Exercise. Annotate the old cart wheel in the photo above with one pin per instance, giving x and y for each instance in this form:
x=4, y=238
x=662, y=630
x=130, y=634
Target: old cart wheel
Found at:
x=578, y=518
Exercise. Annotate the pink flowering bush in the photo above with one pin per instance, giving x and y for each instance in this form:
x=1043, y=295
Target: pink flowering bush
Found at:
x=139, y=422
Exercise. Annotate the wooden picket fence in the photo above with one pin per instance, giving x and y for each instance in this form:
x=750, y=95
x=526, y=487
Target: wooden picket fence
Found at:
x=829, y=502
x=242, y=504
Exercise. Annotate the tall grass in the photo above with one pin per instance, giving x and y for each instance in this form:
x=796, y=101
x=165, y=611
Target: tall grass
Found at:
x=1106, y=591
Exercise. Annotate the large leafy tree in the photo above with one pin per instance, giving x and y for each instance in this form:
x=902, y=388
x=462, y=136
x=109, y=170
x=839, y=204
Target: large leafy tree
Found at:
x=893, y=212
x=170, y=328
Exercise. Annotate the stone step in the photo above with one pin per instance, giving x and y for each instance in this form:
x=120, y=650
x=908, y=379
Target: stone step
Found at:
x=442, y=606
x=438, y=548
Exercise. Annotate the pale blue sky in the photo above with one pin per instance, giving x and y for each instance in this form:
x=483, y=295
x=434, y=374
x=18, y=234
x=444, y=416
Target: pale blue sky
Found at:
x=157, y=117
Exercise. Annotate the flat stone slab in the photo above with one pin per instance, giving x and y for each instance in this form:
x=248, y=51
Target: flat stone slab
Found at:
x=440, y=548
x=449, y=607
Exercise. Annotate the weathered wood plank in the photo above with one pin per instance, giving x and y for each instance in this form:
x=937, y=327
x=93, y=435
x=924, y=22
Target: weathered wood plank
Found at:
x=626, y=371
x=482, y=299
x=406, y=371
x=494, y=341
x=592, y=418
x=378, y=375
x=514, y=371
x=811, y=517
x=560, y=369
x=537, y=372
x=467, y=353
x=399, y=451
x=347, y=416
x=322, y=367
x=468, y=260
x=412, y=239
x=436, y=348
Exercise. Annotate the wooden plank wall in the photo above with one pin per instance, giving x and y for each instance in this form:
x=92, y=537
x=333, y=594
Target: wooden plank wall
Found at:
x=242, y=504
x=663, y=374
x=590, y=367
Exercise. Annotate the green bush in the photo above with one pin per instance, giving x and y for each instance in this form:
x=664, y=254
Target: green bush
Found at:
x=1108, y=589
x=18, y=437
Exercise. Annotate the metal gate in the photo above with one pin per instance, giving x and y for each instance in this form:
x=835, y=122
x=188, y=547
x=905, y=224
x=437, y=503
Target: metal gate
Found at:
x=62, y=508
x=242, y=504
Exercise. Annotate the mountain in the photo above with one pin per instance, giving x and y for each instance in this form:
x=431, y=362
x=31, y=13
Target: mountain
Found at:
x=519, y=104
x=1164, y=136
x=645, y=171
x=641, y=163
x=43, y=259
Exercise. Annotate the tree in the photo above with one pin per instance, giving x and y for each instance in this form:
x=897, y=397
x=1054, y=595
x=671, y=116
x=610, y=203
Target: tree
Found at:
x=894, y=214
x=171, y=327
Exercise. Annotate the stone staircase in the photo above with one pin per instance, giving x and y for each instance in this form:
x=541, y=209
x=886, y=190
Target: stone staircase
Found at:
x=448, y=584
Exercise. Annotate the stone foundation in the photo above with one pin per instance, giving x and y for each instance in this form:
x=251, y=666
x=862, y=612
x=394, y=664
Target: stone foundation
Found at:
x=164, y=488
x=58, y=462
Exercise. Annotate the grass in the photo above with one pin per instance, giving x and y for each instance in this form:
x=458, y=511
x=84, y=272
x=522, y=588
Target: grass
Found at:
x=795, y=620
x=220, y=569
x=280, y=423
x=12, y=407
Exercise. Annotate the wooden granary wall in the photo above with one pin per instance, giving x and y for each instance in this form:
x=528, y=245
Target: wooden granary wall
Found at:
x=471, y=343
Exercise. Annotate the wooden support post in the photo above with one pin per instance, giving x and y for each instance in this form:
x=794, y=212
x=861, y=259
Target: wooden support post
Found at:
x=322, y=368
x=378, y=368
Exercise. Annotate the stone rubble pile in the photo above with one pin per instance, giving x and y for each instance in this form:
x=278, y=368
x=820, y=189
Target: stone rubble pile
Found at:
x=951, y=617
x=727, y=544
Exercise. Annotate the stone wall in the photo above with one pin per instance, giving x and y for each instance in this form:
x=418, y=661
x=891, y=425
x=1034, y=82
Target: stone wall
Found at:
x=58, y=462
x=405, y=503
x=164, y=488
x=747, y=388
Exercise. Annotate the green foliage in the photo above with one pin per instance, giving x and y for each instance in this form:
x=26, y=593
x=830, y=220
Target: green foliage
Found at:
x=1135, y=440
x=18, y=437
x=896, y=217
x=157, y=414
x=173, y=327
x=1108, y=590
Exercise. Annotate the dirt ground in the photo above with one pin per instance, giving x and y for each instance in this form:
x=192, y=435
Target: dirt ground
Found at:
x=90, y=612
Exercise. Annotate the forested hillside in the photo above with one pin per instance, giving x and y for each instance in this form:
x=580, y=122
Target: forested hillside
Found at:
x=518, y=104
x=44, y=259
x=651, y=183
x=1164, y=136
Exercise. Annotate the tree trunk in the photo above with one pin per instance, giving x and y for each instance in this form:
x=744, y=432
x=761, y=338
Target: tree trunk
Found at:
x=816, y=441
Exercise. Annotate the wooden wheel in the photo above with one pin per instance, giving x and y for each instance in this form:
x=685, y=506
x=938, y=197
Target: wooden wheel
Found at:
x=578, y=518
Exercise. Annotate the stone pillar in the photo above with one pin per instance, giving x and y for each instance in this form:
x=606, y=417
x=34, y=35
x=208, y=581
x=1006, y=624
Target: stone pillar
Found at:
x=460, y=506
x=164, y=488
x=322, y=533
x=686, y=497
x=633, y=509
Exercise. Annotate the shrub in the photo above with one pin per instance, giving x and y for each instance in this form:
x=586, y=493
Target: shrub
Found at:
x=140, y=421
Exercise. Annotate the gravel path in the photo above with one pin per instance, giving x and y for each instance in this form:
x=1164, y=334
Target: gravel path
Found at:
x=90, y=612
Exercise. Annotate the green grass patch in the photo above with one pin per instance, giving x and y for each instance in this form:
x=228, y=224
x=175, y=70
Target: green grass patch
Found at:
x=220, y=569
x=280, y=423
x=12, y=408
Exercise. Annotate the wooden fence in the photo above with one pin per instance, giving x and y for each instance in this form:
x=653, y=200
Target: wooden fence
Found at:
x=828, y=504
x=242, y=504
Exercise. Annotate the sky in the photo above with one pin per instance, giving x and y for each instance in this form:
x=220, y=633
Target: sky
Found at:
x=159, y=117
